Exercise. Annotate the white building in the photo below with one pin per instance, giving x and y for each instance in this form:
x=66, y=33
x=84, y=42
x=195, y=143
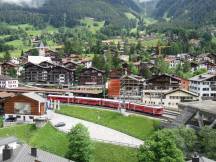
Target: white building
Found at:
x=8, y=82
x=172, y=98
x=38, y=59
x=204, y=85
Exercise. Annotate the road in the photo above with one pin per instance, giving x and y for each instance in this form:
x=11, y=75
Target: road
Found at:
x=97, y=132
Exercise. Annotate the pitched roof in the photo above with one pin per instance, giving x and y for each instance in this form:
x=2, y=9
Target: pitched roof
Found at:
x=34, y=96
x=202, y=77
x=171, y=76
x=182, y=90
x=6, y=94
x=7, y=140
x=135, y=77
x=41, y=45
x=23, y=154
x=203, y=159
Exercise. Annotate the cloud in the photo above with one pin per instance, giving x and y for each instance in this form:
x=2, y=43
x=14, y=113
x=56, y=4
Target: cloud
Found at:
x=30, y=3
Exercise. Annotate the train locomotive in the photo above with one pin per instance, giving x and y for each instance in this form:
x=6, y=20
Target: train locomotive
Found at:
x=114, y=104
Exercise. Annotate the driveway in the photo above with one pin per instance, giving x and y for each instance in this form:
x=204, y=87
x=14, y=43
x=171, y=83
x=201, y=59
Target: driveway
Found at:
x=97, y=132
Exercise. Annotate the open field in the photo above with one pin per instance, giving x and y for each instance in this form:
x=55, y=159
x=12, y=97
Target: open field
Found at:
x=51, y=140
x=136, y=126
x=92, y=24
x=31, y=31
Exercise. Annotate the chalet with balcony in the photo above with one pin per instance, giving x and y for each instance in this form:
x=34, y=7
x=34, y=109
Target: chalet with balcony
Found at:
x=47, y=73
x=158, y=85
x=91, y=76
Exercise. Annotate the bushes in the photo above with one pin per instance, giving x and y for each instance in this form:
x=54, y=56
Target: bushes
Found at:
x=80, y=145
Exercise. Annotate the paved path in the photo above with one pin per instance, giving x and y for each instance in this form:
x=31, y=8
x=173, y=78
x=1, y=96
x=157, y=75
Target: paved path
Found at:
x=97, y=132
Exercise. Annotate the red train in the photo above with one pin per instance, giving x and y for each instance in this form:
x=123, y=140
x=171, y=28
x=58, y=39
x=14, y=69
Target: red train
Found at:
x=115, y=104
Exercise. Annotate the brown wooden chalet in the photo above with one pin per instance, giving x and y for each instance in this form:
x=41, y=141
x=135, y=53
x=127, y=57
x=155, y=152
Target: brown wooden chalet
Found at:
x=91, y=76
x=47, y=73
x=71, y=65
x=26, y=106
x=163, y=82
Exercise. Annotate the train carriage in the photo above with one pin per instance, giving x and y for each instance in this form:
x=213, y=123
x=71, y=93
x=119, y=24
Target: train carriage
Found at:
x=87, y=101
x=110, y=103
x=115, y=104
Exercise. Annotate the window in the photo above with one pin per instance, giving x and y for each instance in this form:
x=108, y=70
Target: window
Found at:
x=206, y=95
x=205, y=89
x=22, y=108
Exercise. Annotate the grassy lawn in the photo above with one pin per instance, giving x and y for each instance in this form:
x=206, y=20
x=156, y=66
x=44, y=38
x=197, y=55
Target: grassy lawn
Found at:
x=130, y=15
x=112, y=153
x=137, y=126
x=92, y=25
x=51, y=140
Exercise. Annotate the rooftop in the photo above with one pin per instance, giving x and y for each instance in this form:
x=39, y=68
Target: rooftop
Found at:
x=23, y=154
x=202, y=77
x=34, y=96
x=7, y=140
x=182, y=90
x=6, y=94
x=201, y=105
x=203, y=159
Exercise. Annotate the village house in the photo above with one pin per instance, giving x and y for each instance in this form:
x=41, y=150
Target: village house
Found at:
x=173, y=61
x=204, y=86
x=47, y=73
x=209, y=66
x=172, y=98
x=91, y=76
x=8, y=82
x=12, y=150
x=7, y=67
x=156, y=87
x=206, y=57
x=25, y=107
x=79, y=60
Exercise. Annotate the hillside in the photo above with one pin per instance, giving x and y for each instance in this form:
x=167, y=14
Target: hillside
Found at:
x=197, y=11
x=67, y=12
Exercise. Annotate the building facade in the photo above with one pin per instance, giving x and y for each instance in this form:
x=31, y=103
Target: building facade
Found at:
x=204, y=86
x=8, y=82
x=173, y=98
x=25, y=107
x=157, y=86
x=47, y=73
x=91, y=76
x=132, y=87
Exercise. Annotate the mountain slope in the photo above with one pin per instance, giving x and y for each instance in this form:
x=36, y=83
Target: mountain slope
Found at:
x=68, y=12
x=196, y=11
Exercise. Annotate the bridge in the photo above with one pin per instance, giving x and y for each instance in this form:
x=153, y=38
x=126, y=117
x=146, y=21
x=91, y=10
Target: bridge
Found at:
x=53, y=91
x=199, y=111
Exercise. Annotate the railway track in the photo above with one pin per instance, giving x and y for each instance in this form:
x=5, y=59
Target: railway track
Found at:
x=114, y=110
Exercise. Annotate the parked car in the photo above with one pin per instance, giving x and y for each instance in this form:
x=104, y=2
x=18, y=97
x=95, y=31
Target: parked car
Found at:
x=60, y=124
x=11, y=119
